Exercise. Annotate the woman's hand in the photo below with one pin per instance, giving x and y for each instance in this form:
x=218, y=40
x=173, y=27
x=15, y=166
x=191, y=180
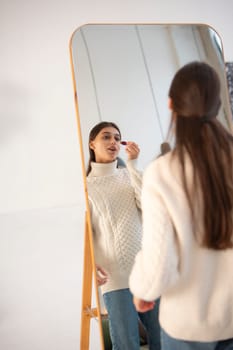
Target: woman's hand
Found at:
x=142, y=305
x=101, y=275
x=132, y=150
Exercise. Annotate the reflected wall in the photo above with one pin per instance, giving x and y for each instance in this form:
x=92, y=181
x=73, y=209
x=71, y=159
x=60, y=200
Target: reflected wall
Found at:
x=123, y=73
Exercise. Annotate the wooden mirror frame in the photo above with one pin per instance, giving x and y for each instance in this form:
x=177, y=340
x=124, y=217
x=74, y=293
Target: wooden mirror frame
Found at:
x=89, y=271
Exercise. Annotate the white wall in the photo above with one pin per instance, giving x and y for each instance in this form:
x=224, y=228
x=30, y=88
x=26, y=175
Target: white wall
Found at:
x=41, y=196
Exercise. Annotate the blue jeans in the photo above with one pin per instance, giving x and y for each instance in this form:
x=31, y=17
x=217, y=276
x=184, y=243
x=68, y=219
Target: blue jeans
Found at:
x=169, y=343
x=123, y=321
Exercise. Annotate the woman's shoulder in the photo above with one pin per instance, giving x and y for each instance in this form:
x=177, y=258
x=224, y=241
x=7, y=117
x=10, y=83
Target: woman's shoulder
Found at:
x=159, y=164
x=164, y=170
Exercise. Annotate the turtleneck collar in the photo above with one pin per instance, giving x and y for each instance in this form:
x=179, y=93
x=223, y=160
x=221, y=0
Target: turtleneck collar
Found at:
x=103, y=169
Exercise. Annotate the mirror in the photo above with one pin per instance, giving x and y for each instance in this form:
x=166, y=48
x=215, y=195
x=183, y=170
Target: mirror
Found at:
x=122, y=73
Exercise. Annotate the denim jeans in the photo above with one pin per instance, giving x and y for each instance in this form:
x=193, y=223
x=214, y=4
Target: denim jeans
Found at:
x=123, y=321
x=169, y=343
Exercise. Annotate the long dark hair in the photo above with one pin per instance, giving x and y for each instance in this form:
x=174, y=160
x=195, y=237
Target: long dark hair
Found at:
x=195, y=99
x=93, y=133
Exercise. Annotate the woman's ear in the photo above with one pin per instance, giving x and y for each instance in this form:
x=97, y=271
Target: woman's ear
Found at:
x=91, y=145
x=170, y=104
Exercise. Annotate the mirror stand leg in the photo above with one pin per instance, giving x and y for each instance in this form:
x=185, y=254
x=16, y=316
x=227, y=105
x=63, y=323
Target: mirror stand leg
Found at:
x=87, y=311
x=86, y=293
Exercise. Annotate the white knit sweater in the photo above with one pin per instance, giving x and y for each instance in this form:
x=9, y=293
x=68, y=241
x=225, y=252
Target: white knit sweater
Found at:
x=114, y=199
x=195, y=283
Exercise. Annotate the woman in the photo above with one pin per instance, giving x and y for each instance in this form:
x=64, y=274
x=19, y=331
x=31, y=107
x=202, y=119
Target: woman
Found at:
x=187, y=202
x=114, y=197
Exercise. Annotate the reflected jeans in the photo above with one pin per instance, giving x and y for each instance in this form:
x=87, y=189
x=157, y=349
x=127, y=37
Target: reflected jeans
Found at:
x=123, y=321
x=169, y=343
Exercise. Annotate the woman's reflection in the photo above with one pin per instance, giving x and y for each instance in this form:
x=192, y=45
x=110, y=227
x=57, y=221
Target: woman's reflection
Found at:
x=114, y=199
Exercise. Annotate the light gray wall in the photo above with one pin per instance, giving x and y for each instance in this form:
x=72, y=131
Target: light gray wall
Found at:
x=42, y=201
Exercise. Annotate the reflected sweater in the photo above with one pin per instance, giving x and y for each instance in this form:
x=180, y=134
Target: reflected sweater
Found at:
x=114, y=200
x=195, y=283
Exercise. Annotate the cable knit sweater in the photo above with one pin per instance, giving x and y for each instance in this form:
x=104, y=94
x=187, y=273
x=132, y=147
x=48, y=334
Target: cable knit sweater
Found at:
x=195, y=283
x=114, y=199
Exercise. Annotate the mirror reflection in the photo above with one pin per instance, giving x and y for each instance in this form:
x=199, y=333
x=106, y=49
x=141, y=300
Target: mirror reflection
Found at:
x=122, y=74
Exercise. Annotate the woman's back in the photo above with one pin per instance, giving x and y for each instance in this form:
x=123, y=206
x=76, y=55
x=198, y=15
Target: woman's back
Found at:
x=197, y=303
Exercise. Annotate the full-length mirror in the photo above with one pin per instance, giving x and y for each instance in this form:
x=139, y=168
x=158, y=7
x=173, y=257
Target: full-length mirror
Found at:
x=122, y=74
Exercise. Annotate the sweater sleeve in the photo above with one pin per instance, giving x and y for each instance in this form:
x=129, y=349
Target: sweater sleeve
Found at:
x=155, y=268
x=136, y=180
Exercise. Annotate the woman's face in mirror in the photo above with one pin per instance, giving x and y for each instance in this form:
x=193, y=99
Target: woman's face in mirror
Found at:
x=106, y=145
